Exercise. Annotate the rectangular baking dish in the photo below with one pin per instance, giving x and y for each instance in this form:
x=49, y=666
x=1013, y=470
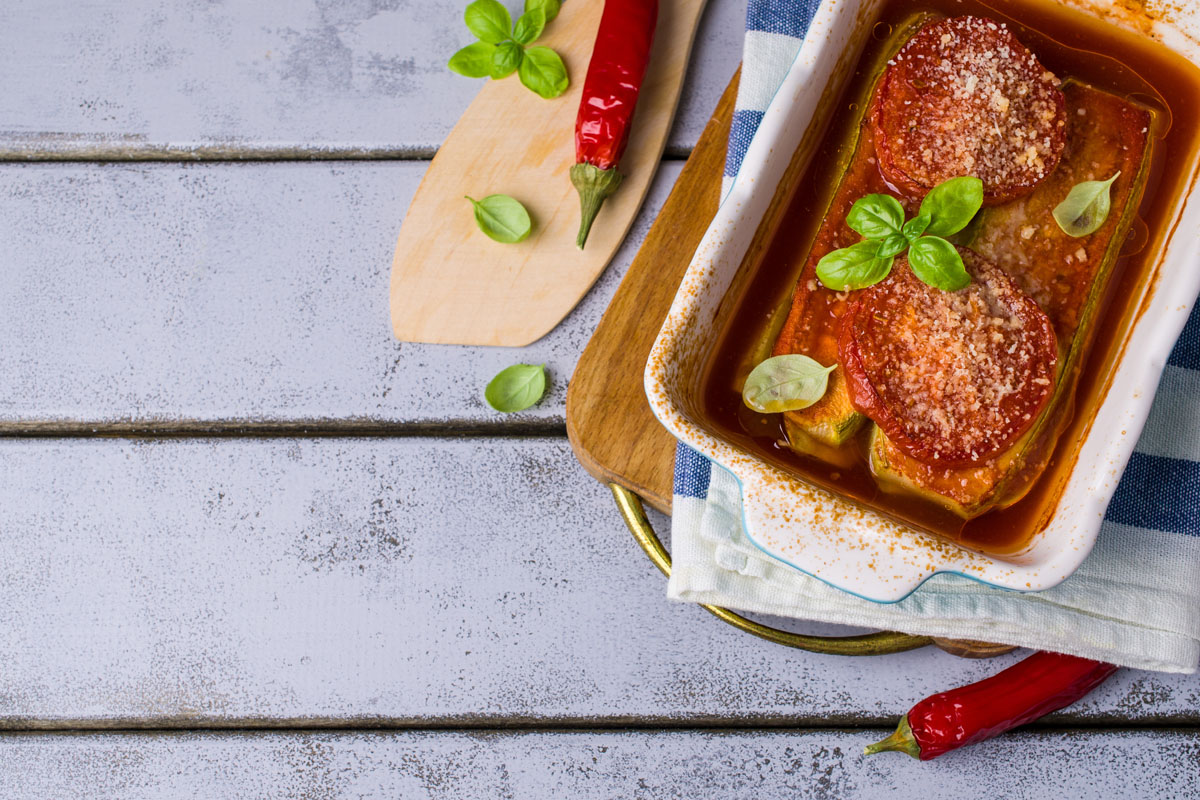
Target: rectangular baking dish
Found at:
x=858, y=549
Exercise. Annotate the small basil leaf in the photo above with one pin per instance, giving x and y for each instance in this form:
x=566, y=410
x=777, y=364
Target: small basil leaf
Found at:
x=854, y=267
x=516, y=388
x=488, y=20
x=1085, y=207
x=892, y=245
x=548, y=7
x=474, y=60
x=506, y=58
x=529, y=27
x=785, y=383
x=915, y=227
x=543, y=72
x=502, y=218
x=937, y=263
x=951, y=205
x=876, y=216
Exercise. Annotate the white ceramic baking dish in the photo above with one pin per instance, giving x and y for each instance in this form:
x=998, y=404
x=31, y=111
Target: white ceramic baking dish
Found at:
x=814, y=530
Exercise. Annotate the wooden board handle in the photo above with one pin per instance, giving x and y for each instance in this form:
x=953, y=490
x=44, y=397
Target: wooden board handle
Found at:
x=870, y=644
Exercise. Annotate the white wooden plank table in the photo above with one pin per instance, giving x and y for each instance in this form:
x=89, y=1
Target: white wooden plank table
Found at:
x=255, y=547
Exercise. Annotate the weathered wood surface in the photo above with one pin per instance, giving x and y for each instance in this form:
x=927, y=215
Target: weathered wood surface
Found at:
x=354, y=583
x=702, y=765
x=187, y=294
x=406, y=581
x=269, y=79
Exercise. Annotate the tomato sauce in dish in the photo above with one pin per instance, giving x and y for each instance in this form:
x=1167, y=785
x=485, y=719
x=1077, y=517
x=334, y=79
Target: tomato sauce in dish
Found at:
x=1089, y=288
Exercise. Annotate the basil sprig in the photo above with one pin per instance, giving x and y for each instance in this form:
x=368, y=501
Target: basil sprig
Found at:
x=946, y=210
x=502, y=47
x=1085, y=207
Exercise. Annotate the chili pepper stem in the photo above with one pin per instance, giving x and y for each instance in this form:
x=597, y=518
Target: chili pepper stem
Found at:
x=901, y=740
x=594, y=185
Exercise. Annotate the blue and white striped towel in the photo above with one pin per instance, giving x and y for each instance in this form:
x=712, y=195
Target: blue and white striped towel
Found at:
x=1136, y=599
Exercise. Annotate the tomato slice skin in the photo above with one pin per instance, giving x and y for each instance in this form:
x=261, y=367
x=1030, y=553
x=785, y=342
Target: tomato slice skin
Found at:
x=965, y=97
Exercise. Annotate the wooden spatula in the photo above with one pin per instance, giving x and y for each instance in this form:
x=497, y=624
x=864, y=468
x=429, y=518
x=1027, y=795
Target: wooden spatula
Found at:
x=453, y=285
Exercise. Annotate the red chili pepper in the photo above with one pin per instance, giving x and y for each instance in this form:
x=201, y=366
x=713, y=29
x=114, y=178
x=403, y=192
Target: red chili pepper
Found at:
x=1029, y=689
x=610, y=93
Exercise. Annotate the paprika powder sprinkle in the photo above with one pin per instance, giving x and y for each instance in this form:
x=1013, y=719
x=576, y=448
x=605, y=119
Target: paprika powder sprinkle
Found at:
x=610, y=93
x=1029, y=689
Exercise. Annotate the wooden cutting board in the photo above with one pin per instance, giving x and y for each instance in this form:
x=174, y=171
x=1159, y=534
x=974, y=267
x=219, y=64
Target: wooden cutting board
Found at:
x=612, y=430
x=453, y=285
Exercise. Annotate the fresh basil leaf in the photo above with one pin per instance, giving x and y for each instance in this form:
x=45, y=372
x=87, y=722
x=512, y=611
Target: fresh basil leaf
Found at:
x=488, y=20
x=915, y=227
x=474, y=60
x=785, y=383
x=853, y=267
x=506, y=58
x=1085, y=208
x=529, y=27
x=502, y=218
x=543, y=72
x=876, y=216
x=951, y=205
x=937, y=263
x=516, y=388
x=892, y=245
x=548, y=7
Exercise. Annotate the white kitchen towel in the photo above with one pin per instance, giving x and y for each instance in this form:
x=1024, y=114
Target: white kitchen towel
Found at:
x=1135, y=601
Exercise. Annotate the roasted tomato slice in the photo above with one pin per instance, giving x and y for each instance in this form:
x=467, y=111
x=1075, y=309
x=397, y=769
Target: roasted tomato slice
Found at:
x=964, y=97
x=952, y=378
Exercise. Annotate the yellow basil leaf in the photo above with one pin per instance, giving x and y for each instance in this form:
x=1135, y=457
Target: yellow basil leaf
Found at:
x=1085, y=207
x=502, y=218
x=785, y=383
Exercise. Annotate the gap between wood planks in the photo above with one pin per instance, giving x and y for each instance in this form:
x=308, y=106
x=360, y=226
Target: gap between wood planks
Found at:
x=300, y=428
x=219, y=153
x=650, y=725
